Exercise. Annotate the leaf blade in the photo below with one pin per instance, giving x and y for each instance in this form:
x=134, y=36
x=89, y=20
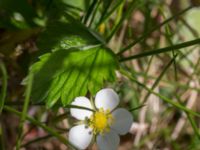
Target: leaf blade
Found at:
x=66, y=74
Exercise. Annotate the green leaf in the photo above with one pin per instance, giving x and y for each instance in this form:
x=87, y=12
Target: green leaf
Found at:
x=66, y=74
x=65, y=34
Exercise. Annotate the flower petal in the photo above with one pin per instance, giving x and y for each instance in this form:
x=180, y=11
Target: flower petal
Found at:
x=106, y=99
x=81, y=114
x=80, y=136
x=122, y=121
x=108, y=141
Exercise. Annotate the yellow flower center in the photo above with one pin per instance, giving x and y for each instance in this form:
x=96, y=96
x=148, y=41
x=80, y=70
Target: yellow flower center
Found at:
x=101, y=121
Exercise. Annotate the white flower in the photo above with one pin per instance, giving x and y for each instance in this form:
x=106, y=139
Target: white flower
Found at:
x=105, y=123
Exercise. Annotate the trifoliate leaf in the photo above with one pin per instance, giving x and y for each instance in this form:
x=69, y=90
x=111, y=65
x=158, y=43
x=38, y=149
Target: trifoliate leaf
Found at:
x=66, y=74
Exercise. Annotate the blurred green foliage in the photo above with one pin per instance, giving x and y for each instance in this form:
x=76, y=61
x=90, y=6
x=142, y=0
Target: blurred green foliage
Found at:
x=76, y=47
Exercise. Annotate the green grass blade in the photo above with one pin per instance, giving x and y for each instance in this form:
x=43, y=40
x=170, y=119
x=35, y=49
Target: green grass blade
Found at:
x=4, y=85
x=94, y=13
x=89, y=12
x=162, y=50
x=25, y=108
x=158, y=79
x=106, y=16
x=79, y=107
x=38, y=139
x=152, y=30
x=191, y=120
x=168, y=35
x=193, y=124
x=165, y=99
x=2, y=101
x=2, y=145
x=39, y=124
x=104, y=12
x=136, y=108
x=127, y=14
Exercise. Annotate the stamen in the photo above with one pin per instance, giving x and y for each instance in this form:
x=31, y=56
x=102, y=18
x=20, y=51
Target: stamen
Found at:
x=101, y=121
